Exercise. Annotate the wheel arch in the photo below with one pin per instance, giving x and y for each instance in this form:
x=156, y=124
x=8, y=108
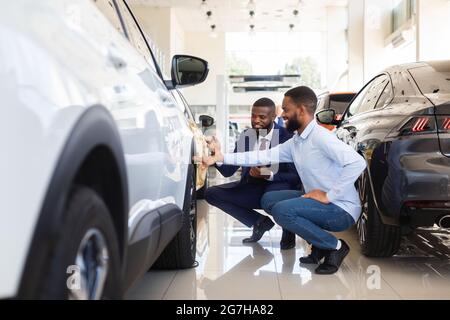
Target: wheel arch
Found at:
x=372, y=160
x=93, y=146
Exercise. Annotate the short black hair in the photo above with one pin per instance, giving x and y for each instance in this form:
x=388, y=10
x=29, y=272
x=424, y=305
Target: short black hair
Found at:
x=264, y=102
x=303, y=96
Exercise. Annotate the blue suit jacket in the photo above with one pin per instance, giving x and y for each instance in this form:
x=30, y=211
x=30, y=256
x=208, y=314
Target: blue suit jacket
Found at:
x=286, y=171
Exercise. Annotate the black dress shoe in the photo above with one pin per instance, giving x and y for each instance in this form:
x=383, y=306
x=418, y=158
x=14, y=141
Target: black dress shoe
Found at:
x=314, y=257
x=287, y=240
x=259, y=229
x=333, y=259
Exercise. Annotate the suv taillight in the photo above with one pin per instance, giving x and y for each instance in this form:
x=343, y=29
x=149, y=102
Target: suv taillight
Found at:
x=426, y=124
x=419, y=125
x=444, y=123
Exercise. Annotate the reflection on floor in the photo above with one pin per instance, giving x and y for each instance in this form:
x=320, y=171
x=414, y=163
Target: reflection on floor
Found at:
x=230, y=270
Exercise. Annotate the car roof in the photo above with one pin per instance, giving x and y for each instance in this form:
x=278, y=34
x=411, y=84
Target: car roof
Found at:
x=440, y=65
x=327, y=93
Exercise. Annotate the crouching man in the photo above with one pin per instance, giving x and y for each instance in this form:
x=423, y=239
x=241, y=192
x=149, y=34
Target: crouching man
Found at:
x=328, y=169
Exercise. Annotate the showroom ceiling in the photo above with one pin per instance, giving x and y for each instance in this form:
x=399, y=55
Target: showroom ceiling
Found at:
x=234, y=15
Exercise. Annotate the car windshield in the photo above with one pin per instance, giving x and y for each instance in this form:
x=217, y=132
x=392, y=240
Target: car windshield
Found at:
x=433, y=78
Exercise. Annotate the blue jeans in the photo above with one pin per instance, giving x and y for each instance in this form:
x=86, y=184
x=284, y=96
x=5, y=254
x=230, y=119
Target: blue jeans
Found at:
x=240, y=199
x=308, y=218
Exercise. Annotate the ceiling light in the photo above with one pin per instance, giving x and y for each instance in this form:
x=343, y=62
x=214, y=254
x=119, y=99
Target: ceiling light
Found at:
x=291, y=27
x=301, y=4
x=252, y=16
x=252, y=29
x=204, y=7
x=209, y=16
x=251, y=5
x=213, y=33
x=296, y=15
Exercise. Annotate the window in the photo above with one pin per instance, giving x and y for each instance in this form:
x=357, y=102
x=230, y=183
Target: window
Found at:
x=354, y=107
x=373, y=93
x=385, y=97
x=109, y=11
x=135, y=35
x=433, y=78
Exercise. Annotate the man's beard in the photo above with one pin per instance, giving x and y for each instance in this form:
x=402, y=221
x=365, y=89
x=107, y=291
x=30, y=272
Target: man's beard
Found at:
x=292, y=125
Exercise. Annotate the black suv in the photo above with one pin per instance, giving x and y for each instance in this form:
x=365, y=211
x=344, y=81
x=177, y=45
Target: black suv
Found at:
x=400, y=123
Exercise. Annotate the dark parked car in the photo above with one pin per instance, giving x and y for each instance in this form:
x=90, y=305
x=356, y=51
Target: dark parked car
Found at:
x=400, y=123
x=338, y=101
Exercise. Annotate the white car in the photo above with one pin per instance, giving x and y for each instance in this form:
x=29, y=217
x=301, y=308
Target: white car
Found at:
x=96, y=172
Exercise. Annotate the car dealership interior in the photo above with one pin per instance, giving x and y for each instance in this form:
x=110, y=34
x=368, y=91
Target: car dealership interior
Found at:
x=225, y=149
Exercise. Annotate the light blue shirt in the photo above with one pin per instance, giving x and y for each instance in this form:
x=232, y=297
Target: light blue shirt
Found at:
x=322, y=161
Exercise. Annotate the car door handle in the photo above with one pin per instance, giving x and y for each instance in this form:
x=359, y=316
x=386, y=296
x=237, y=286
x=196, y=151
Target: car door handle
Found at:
x=115, y=59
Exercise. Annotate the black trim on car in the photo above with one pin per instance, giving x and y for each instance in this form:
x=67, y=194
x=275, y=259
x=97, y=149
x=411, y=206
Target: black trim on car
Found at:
x=158, y=69
x=95, y=128
x=149, y=238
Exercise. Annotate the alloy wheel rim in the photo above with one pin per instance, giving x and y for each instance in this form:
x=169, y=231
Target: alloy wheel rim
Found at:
x=362, y=221
x=93, y=262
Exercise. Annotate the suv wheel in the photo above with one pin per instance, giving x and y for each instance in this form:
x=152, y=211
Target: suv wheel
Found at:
x=180, y=252
x=86, y=262
x=376, y=238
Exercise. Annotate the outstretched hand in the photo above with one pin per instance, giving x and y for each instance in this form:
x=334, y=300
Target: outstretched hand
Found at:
x=213, y=144
x=209, y=160
x=216, y=154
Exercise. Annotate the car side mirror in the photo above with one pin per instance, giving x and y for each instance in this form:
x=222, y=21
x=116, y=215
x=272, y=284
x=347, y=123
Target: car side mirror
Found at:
x=187, y=71
x=206, y=121
x=327, y=116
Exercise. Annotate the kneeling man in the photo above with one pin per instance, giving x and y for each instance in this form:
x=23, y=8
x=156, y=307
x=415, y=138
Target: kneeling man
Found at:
x=239, y=199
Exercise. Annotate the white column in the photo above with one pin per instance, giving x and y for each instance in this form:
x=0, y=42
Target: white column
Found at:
x=221, y=116
x=356, y=44
x=337, y=50
x=433, y=30
x=377, y=27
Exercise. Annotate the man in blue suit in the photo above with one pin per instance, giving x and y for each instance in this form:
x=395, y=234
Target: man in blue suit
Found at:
x=240, y=198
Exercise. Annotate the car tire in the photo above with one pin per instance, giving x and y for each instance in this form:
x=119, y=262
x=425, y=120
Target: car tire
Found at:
x=86, y=252
x=376, y=238
x=181, y=251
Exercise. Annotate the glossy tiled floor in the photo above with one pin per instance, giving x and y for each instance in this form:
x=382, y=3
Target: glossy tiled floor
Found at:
x=230, y=270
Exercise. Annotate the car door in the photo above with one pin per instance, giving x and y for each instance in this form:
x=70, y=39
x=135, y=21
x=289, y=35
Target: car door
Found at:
x=360, y=115
x=155, y=137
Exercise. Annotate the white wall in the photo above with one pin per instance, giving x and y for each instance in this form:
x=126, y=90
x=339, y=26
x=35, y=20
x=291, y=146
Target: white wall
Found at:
x=336, y=50
x=157, y=23
x=370, y=39
x=163, y=26
x=201, y=44
x=433, y=30
x=355, y=37
x=177, y=39
x=242, y=99
x=377, y=27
